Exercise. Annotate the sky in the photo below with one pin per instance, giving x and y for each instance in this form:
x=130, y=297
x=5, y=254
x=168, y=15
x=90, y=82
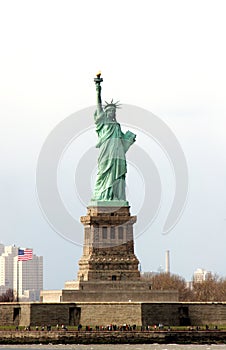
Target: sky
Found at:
x=167, y=57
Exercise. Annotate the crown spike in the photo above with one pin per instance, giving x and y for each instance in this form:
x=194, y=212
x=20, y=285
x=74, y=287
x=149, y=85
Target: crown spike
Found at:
x=112, y=104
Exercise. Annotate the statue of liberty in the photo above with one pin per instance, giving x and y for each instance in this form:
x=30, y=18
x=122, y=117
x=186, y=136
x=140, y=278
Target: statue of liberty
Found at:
x=113, y=144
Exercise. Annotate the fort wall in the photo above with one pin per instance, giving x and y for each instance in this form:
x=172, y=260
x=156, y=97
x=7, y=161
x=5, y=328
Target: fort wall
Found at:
x=105, y=313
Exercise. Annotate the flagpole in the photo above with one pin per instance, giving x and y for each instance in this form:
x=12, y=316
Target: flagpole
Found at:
x=24, y=254
x=17, y=281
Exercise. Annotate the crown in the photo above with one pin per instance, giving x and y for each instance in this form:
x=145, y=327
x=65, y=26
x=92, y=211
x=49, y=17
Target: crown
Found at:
x=112, y=104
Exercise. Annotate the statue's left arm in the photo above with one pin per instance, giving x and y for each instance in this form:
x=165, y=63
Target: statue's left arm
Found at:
x=128, y=139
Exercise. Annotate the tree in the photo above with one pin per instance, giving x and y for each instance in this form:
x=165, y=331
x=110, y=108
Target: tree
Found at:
x=8, y=296
x=167, y=281
x=211, y=289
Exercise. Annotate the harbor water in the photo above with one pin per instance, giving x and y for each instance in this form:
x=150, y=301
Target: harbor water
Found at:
x=116, y=347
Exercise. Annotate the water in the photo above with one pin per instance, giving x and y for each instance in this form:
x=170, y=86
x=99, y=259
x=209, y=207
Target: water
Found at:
x=115, y=347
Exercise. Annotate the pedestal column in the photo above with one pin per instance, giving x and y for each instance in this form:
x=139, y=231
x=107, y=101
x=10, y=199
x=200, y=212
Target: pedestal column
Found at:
x=108, y=251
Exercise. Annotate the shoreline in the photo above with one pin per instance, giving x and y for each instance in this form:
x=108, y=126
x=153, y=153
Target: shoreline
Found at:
x=112, y=337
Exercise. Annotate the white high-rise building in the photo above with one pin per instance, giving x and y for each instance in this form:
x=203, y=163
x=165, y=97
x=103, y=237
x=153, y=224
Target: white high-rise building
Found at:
x=7, y=267
x=201, y=275
x=24, y=277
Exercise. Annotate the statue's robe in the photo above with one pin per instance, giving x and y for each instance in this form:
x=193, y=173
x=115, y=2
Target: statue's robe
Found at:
x=113, y=144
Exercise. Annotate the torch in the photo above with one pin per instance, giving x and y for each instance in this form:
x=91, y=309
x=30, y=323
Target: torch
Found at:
x=98, y=79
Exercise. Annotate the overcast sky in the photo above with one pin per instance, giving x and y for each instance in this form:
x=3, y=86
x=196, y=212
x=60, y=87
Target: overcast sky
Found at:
x=167, y=57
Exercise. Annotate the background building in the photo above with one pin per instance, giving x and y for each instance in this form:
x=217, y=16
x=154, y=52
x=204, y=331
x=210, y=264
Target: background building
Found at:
x=201, y=275
x=24, y=277
x=7, y=267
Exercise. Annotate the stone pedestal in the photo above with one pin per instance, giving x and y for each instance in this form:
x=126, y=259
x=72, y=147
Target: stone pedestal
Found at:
x=108, y=250
x=108, y=268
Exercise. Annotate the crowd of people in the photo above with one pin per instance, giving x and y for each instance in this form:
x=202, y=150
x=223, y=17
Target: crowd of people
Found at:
x=114, y=327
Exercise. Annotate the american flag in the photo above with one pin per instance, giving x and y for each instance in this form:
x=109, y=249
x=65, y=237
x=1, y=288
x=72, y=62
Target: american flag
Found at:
x=25, y=254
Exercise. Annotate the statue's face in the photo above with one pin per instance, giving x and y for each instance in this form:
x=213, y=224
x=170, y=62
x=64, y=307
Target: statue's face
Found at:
x=111, y=114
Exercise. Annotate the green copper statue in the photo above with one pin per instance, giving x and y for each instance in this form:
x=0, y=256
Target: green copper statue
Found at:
x=113, y=143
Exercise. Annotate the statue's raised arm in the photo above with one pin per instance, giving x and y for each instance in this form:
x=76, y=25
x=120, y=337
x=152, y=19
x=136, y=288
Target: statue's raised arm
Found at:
x=97, y=81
